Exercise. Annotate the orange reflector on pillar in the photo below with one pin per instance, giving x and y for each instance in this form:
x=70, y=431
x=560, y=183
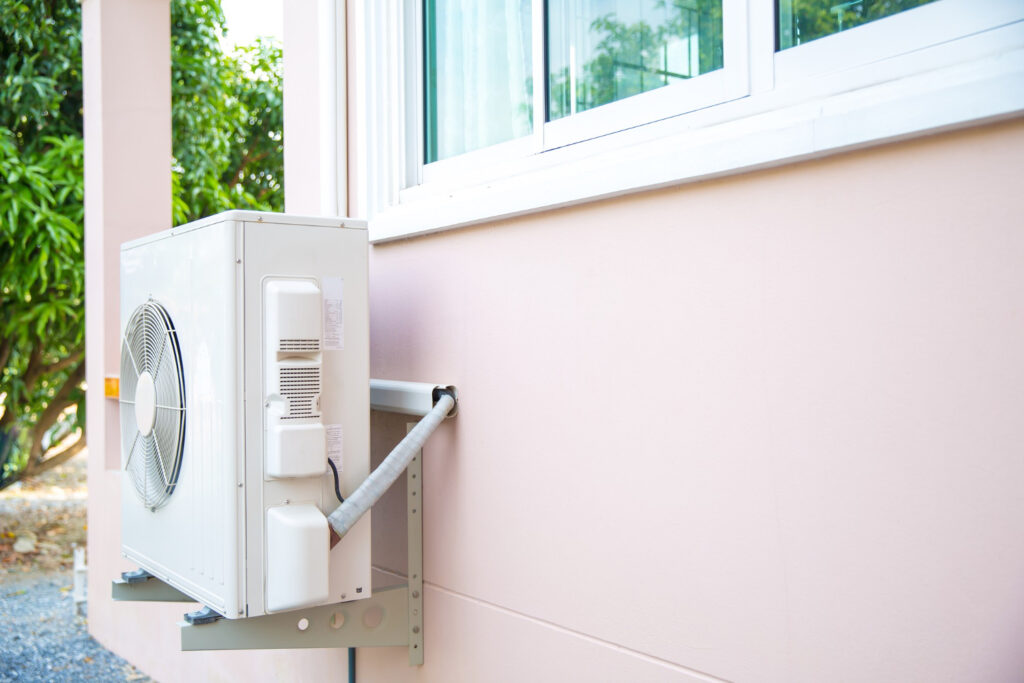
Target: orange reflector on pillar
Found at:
x=112, y=387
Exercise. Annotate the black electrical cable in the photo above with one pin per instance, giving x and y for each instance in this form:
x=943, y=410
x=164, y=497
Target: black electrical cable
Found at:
x=351, y=665
x=337, y=484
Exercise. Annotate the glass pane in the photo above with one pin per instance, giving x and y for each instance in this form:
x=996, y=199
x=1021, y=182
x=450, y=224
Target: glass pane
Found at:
x=801, y=21
x=478, y=84
x=600, y=51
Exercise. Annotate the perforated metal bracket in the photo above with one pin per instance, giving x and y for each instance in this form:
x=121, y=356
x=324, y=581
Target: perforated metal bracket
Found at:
x=378, y=621
x=414, y=511
x=390, y=617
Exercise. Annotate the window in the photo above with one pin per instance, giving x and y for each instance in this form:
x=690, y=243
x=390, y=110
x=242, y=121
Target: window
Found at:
x=509, y=106
x=604, y=51
x=801, y=21
x=478, y=70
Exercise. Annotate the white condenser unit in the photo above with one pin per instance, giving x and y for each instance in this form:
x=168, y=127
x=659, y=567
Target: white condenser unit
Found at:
x=244, y=378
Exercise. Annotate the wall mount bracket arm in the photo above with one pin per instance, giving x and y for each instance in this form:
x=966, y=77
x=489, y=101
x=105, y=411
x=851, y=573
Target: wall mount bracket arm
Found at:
x=390, y=617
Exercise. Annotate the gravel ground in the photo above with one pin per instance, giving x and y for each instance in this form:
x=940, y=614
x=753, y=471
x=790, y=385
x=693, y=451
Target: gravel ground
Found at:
x=42, y=640
x=40, y=637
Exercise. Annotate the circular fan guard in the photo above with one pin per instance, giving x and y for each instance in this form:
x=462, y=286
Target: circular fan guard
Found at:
x=152, y=391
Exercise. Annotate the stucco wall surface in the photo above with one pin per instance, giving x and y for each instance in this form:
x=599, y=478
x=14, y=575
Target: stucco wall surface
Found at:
x=765, y=428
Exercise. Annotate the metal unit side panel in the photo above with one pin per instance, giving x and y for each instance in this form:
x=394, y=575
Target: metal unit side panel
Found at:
x=193, y=542
x=284, y=250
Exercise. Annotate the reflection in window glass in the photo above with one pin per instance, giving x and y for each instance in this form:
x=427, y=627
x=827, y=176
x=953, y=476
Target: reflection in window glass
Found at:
x=478, y=86
x=601, y=51
x=801, y=21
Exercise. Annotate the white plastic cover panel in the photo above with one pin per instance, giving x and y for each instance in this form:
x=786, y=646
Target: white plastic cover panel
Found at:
x=297, y=545
x=295, y=443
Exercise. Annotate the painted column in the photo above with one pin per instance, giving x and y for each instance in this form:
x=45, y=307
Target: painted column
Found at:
x=314, y=107
x=127, y=103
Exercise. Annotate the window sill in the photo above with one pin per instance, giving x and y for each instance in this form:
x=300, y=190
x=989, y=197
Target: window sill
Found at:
x=857, y=108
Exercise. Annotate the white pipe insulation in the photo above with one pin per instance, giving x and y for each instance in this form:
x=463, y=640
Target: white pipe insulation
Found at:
x=381, y=479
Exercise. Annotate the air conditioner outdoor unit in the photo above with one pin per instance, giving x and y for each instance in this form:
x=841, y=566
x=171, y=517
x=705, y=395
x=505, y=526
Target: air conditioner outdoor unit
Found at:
x=244, y=372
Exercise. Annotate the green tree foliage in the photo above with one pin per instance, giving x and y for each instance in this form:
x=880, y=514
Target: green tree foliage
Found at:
x=41, y=260
x=227, y=119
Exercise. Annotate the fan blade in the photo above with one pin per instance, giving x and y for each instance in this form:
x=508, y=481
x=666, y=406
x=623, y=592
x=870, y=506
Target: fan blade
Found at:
x=160, y=461
x=160, y=356
x=127, y=347
x=131, y=451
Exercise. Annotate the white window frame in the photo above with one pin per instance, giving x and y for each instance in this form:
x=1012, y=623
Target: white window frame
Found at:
x=722, y=85
x=728, y=83
x=947, y=64
x=901, y=33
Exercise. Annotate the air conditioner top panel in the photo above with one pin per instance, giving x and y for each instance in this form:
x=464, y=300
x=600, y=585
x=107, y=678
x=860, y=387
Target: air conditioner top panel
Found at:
x=244, y=216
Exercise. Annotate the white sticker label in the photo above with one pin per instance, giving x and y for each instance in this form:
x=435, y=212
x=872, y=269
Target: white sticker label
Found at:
x=334, y=320
x=334, y=445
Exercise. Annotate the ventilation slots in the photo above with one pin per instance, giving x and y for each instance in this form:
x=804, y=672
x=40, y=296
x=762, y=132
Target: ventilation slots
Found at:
x=299, y=345
x=300, y=386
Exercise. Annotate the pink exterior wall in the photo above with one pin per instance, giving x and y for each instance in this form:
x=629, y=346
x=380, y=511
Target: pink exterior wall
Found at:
x=764, y=428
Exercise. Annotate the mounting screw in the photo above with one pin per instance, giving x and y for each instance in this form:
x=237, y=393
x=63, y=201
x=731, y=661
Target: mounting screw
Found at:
x=415, y=629
x=239, y=484
x=342, y=596
x=415, y=594
x=238, y=260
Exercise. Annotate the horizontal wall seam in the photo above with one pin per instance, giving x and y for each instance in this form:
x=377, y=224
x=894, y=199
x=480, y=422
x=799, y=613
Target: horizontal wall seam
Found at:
x=658, y=661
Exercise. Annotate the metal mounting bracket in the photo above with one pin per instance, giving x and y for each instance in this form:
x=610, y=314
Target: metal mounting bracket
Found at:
x=389, y=617
x=378, y=621
x=141, y=586
x=409, y=398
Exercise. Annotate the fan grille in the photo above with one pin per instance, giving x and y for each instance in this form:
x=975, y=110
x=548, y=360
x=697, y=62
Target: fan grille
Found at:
x=152, y=460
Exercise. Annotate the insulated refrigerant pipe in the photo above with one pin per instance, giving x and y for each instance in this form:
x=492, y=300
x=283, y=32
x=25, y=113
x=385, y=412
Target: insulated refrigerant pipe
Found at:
x=381, y=479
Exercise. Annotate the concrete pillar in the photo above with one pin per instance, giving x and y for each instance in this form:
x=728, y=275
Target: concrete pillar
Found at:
x=127, y=101
x=314, y=107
